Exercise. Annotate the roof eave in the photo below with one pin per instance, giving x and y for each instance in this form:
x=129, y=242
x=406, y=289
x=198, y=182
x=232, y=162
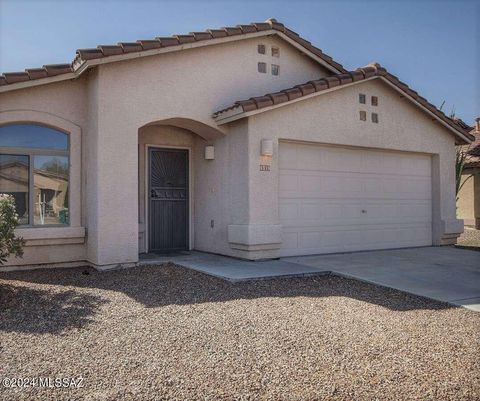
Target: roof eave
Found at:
x=238, y=113
x=461, y=135
x=225, y=118
x=81, y=66
x=37, y=82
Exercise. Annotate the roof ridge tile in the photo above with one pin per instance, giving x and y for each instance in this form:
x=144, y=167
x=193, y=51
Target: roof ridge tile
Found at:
x=217, y=33
x=149, y=44
x=110, y=50
x=130, y=47
x=166, y=41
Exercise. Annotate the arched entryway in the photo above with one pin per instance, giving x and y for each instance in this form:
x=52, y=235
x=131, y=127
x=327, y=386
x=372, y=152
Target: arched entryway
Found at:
x=169, y=151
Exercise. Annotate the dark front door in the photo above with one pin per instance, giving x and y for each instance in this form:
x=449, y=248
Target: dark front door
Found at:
x=168, y=204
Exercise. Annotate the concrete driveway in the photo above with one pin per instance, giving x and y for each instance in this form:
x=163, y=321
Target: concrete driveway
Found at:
x=441, y=273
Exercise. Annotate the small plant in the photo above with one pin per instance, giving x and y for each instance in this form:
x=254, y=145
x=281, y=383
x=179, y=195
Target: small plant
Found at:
x=10, y=244
x=460, y=160
x=461, y=157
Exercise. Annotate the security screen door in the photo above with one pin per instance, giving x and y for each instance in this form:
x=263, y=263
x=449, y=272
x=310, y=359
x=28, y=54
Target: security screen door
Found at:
x=168, y=200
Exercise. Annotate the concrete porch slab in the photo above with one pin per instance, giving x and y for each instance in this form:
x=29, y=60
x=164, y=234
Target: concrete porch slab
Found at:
x=232, y=269
x=441, y=273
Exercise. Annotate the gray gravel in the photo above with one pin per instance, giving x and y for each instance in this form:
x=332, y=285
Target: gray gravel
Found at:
x=165, y=332
x=470, y=238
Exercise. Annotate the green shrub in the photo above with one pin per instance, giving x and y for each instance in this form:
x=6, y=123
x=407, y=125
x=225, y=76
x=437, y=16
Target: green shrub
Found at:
x=9, y=243
x=461, y=159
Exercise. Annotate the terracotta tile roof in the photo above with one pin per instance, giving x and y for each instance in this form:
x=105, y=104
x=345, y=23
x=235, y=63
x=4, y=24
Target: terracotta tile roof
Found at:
x=48, y=70
x=103, y=51
x=371, y=70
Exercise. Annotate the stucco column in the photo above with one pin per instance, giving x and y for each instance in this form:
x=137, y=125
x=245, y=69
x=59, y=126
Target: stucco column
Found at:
x=259, y=234
x=112, y=191
x=446, y=227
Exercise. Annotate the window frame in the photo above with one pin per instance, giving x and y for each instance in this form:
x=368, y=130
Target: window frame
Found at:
x=272, y=67
x=31, y=153
x=261, y=63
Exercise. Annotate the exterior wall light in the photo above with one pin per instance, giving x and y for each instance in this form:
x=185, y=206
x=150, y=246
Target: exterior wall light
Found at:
x=267, y=147
x=209, y=152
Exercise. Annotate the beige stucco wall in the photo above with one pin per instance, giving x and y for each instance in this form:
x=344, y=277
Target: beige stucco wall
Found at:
x=221, y=190
x=465, y=209
x=333, y=118
x=190, y=84
x=112, y=102
x=196, y=82
x=468, y=204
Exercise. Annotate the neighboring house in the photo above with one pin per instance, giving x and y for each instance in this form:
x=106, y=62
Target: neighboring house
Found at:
x=468, y=204
x=165, y=155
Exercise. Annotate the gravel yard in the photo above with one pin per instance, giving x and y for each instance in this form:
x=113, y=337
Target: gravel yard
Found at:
x=166, y=332
x=470, y=238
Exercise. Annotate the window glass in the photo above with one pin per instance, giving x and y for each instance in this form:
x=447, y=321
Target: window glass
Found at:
x=50, y=196
x=32, y=136
x=262, y=67
x=374, y=101
x=363, y=115
x=14, y=181
x=375, y=118
x=275, y=69
x=261, y=49
x=362, y=98
x=275, y=52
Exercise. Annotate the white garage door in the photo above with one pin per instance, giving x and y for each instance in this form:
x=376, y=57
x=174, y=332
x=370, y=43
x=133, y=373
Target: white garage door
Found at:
x=334, y=199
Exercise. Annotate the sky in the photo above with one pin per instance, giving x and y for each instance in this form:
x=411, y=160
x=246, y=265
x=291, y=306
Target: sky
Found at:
x=433, y=46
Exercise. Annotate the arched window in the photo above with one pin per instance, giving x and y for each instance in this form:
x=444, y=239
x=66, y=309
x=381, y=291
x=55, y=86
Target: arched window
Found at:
x=34, y=169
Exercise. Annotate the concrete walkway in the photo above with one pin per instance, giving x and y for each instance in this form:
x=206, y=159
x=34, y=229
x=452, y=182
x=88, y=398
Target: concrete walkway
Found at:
x=441, y=273
x=235, y=269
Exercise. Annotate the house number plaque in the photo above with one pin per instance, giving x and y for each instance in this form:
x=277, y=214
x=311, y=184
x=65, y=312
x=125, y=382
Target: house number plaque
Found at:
x=264, y=167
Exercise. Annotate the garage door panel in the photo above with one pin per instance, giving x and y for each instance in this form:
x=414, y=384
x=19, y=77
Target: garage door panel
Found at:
x=371, y=162
x=407, y=187
x=341, y=184
x=336, y=200
x=330, y=185
x=310, y=183
x=354, y=239
x=290, y=240
x=309, y=210
x=287, y=158
x=288, y=182
x=288, y=211
x=304, y=212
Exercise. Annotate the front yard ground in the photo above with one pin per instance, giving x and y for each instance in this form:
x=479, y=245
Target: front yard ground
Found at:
x=166, y=332
x=469, y=238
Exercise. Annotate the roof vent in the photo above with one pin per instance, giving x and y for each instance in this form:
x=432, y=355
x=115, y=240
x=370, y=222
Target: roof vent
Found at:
x=271, y=20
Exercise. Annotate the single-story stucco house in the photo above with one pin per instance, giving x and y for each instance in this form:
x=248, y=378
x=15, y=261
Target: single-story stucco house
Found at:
x=468, y=202
x=245, y=141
